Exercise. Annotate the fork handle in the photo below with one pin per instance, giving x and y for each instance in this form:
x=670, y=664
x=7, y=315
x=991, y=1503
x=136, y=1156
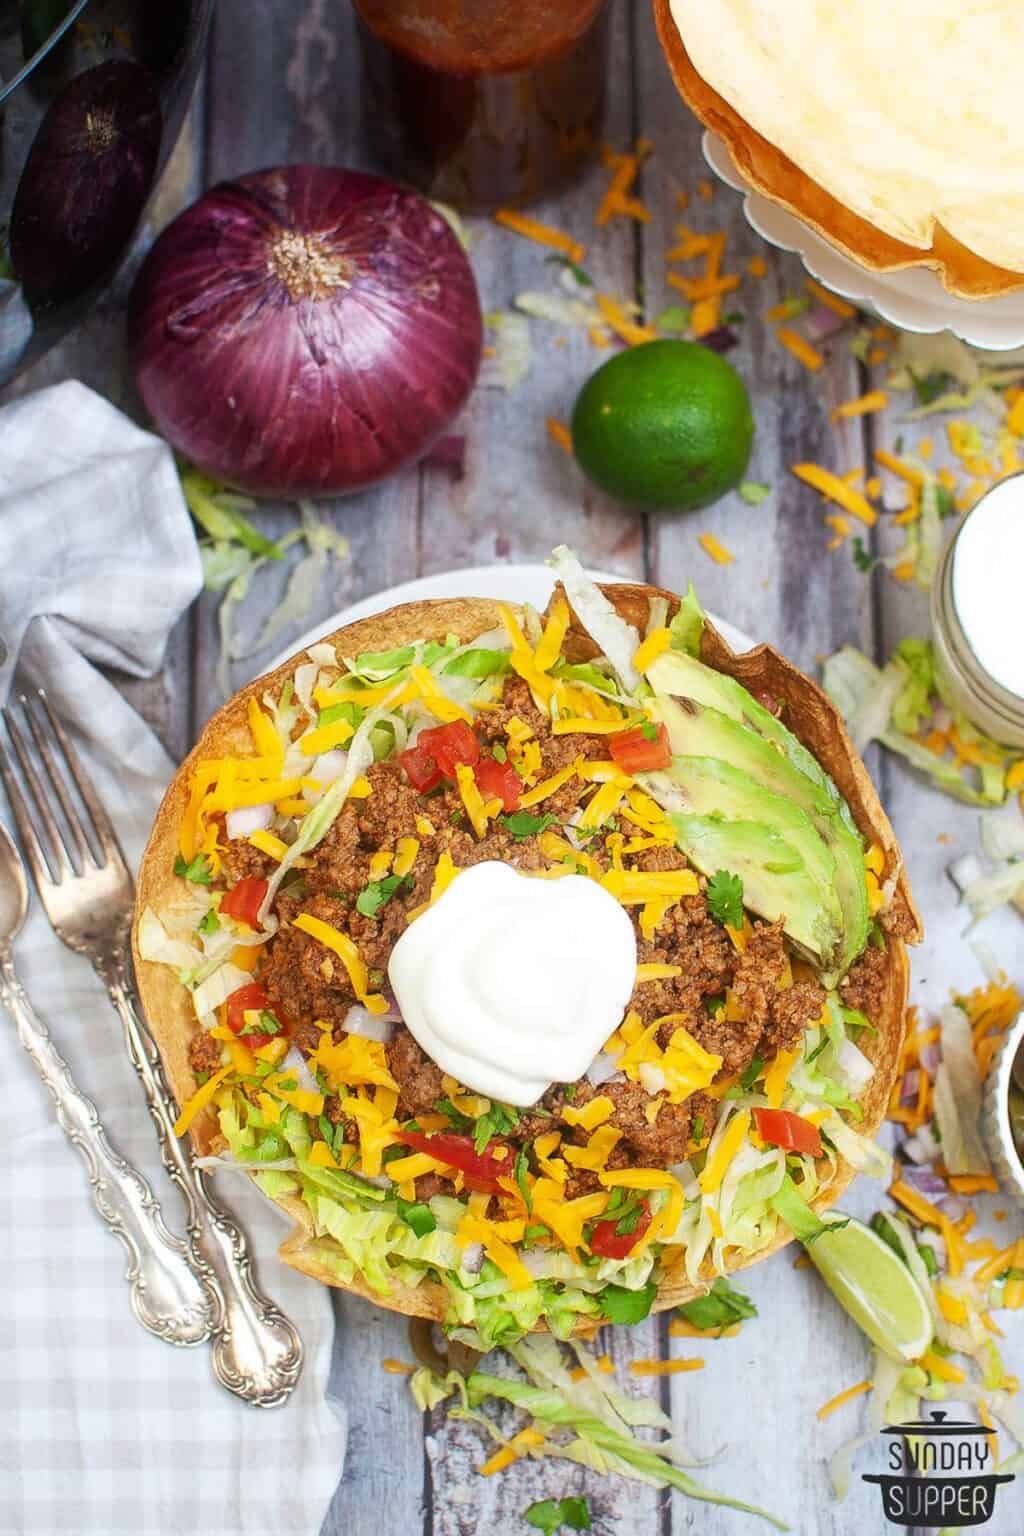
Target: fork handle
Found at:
x=256, y=1350
x=167, y=1295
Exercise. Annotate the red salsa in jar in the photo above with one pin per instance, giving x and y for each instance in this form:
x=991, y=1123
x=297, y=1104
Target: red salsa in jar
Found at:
x=483, y=103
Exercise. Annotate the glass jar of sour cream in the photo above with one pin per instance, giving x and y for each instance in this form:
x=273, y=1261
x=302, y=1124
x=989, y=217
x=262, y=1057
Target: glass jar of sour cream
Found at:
x=978, y=614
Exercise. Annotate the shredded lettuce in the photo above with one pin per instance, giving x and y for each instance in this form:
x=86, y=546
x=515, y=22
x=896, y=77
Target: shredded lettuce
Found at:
x=616, y=639
x=687, y=626
x=958, y=1096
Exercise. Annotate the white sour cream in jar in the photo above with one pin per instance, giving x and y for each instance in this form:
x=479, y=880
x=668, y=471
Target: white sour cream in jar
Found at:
x=512, y=983
x=988, y=564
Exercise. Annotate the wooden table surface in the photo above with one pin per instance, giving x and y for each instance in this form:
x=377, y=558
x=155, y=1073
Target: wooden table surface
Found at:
x=281, y=85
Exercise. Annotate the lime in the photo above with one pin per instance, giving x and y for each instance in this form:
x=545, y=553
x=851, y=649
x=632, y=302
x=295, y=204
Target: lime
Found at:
x=664, y=424
x=875, y=1287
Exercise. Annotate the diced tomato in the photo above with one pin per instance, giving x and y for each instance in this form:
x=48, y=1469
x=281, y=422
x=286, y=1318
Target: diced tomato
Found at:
x=482, y=1170
x=498, y=779
x=421, y=770
x=249, y=999
x=449, y=745
x=608, y=1243
x=642, y=749
x=781, y=1128
x=244, y=901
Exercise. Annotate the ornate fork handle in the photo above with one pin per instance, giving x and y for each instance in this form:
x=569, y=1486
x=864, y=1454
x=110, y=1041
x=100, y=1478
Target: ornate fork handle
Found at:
x=167, y=1295
x=256, y=1350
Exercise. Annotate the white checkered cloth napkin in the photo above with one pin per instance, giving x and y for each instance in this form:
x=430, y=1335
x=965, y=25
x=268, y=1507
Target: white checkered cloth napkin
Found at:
x=104, y=1429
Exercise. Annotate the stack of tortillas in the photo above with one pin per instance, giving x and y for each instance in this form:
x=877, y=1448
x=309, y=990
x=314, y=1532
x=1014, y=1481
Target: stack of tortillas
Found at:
x=894, y=128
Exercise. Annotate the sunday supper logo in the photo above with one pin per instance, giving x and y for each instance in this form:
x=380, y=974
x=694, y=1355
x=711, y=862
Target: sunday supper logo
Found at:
x=941, y=1473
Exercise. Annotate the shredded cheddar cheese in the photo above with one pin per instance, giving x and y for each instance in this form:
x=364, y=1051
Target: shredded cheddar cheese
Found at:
x=341, y=945
x=540, y=234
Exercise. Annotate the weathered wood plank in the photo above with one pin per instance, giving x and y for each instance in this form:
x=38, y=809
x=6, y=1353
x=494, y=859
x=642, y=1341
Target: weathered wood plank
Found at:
x=521, y=494
x=783, y=587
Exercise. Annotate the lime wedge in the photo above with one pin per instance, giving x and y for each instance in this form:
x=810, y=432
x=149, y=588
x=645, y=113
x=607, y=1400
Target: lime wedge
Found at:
x=875, y=1287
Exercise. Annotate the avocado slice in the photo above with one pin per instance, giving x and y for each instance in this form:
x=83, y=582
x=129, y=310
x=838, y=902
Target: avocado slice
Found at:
x=708, y=786
x=776, y=881
x=697, y=730
x=683, y=676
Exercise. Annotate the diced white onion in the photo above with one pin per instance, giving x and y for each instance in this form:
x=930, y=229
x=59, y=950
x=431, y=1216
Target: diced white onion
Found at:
x=249, y=819
x=687, y=1178
x=602, y=1070
x=360, y=1021
x=854, y=1065
x=652, y=1077
x=472, y=1258
x=330, y=766
x=296, y=1065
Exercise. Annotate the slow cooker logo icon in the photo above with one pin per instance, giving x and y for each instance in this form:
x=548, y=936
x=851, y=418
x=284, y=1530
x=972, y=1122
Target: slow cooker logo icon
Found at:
x=941, y=1473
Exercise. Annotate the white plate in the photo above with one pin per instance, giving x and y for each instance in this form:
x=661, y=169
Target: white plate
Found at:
x=507, y=583
x=913, y=300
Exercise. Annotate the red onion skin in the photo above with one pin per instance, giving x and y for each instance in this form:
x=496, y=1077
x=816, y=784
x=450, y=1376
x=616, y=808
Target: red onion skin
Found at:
x=285, y=393
x=86, y=181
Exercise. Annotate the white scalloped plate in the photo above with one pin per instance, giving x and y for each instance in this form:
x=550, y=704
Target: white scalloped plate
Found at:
x=506, y=583
x=913, y=300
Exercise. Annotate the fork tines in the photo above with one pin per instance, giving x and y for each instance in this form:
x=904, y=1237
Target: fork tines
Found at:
x=74, y=843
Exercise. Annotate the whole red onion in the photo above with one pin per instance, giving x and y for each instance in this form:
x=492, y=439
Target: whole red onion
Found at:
x=305, y=331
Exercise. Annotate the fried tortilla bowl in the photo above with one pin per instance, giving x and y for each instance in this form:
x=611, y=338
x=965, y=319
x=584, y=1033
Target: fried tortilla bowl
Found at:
x=961, y=271
x=808, y=712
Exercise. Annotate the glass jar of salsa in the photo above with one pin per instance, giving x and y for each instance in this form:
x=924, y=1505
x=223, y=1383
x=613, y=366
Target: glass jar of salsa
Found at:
x=483, y=103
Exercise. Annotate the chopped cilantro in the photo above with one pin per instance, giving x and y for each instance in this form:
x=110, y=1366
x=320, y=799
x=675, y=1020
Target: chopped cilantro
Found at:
x=210, y=923
x=945, y=500
x=876, y=936
x=328, y=1131
x=522, y=1168
x=697, y=1129
x=198, y=870
x=498, y=753
x=817, y=1049
x=753, y=492
x=288, y=1085
x=498, y=1121
x=620, y=1305
x=725, y=898
x=417, y=1216
x=202, y=1077
x=535, y=1230
x=721, y=1307
x=861, y=558
x=549, y=1515
x=569, y=1093
x=457, y=815
x=648, y=730
x=715, y=1001
x=584, y=279
x=459, y=1121
x=378, y=893
x=265, y=1025
x=524, y=824
x=752, y=1073
x=929, y=386
x=898, y=444
x=629, y=1220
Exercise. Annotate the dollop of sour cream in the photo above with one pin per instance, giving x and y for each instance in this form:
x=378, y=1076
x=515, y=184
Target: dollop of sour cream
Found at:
x=511, y=983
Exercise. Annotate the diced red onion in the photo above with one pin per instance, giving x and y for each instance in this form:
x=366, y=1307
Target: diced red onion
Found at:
x=930, y=1057
x=823, y=322
x=305, y=330
x=926, y=1181
x=372, y=1026
x=602, y=1070
x=909, y=1086
x=249, y=819
x=721, y=340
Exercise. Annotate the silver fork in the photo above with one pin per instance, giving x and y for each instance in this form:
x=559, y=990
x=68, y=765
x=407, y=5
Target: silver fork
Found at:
x=256, y=1350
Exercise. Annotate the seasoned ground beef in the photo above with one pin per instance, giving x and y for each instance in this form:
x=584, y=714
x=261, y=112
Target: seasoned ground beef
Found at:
x=864, y=986
x=416, y=1075
x=203, y=1053
x=306, y=982
x=244, y=862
